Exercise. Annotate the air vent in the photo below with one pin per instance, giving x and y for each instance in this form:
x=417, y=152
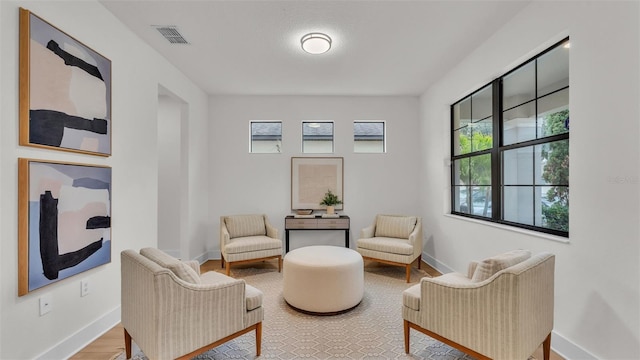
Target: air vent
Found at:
x=171, y=33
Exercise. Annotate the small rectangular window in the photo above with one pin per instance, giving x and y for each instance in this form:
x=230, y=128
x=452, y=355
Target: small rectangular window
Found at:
x=266, y=137
x=317, y=137
x=369, y=136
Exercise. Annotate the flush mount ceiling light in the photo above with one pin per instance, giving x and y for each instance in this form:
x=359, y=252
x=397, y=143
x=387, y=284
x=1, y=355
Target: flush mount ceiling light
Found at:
x=316, y=43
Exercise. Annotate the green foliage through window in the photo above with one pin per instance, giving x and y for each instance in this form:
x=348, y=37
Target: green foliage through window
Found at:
x=556, y=173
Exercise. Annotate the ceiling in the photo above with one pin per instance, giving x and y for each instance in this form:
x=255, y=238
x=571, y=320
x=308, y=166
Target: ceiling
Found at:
x=378, y=48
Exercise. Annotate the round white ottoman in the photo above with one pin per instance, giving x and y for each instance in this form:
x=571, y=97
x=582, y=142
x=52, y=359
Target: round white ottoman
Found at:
x=323, y=279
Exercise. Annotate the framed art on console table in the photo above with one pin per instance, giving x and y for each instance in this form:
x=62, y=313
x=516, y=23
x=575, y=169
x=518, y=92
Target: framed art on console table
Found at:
x=311, y=177
x=64, y=221
x=65, y=91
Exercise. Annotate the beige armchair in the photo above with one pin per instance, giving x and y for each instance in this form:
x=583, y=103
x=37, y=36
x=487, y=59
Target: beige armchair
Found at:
x=392, y=239
x=502, y=309
x=248, y=238
x=172, y=311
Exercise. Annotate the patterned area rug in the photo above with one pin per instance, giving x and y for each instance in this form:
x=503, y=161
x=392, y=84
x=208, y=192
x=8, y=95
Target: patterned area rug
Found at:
x=373, y=330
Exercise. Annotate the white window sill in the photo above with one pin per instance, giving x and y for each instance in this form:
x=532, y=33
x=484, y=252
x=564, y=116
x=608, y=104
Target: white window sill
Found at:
x=542, y=235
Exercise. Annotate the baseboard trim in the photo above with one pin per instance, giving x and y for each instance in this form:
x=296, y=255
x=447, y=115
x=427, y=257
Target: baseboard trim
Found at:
x=81, y=338
x=568, y=349
x=207, y=255
x=431, y=261
x=561, y=345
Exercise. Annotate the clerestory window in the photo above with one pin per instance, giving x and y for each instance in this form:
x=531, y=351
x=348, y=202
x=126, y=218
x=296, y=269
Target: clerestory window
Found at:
x=369, y=137
x=266, y=137
x=317, y=137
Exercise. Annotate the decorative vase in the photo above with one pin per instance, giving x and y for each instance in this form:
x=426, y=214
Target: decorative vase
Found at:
x=330, y=209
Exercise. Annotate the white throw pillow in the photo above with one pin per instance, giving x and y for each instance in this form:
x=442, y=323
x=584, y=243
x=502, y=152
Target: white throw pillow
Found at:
x=158, y=256
x=180, y=269
x=185, y=272
x=245, y=225
x=488, y=267
x=395, y=226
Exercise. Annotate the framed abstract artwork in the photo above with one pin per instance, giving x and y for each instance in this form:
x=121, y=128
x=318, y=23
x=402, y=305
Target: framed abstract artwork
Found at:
x=64, y=221
x=65, y=91
x=311, y=177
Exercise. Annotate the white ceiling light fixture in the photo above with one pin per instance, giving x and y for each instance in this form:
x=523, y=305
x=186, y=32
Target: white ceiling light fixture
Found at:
x=316, y=43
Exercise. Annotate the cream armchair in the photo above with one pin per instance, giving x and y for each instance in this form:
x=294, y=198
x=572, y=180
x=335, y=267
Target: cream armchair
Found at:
x=248, y=238
x=502, y=309
x=171, y=311
x=392, y=239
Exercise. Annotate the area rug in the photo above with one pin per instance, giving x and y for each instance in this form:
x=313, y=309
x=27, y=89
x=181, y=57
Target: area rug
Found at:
x=373, y=330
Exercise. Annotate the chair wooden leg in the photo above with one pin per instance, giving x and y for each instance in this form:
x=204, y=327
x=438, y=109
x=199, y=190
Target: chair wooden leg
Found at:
x=222, y=263
x=546, y=347
x=279, y=263
x=127, y=344
x=228, y=270
x=408, y=273
x=258, y=338
x=406, y=336
x=419, y=261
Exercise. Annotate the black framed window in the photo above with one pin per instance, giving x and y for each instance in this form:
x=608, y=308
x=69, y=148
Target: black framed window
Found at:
x=510, y=147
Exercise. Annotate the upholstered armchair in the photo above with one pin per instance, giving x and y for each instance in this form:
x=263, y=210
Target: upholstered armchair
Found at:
x=172, y=311
x=394, y=240
x=248, y=238
x=502, y=309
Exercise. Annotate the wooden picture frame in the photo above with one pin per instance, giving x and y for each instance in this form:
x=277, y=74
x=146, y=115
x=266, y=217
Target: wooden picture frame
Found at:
x=311, y=177
x=64, y=221
x=65, y=91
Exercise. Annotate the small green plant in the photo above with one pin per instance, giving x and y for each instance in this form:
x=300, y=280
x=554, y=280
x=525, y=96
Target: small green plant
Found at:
x=330, y=199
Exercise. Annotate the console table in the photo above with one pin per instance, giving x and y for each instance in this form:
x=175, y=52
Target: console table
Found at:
x=316, y=223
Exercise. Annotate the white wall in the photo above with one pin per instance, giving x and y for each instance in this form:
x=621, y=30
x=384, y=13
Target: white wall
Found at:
x=597, y=300
x=74, y=321
x=261, y=183
x=169, y=179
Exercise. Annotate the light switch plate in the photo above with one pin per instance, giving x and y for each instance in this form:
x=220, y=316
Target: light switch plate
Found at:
x=84, y=287
x=46, y=304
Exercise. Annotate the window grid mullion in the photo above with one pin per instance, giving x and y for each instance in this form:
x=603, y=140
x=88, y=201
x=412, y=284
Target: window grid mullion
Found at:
x=496, y=164
x=533, y=152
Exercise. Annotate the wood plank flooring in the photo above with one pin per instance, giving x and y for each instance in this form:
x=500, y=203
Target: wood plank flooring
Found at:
x=111, y=344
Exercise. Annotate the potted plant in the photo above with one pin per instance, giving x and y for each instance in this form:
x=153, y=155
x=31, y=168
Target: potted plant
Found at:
x=330, y=200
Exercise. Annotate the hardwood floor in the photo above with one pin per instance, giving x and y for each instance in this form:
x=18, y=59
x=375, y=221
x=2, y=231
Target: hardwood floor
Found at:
x=106, y=347
x=111, y=344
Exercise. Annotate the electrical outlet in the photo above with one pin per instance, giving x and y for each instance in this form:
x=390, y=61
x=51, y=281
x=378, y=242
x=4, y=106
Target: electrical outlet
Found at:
x=46, y=304
x=84, y=287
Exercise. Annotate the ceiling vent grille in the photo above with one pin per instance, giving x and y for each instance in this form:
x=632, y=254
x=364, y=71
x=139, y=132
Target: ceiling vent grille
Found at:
x=171, y=33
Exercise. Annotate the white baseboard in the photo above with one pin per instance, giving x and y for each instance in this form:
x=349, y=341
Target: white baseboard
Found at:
x=208, y=255
x=561, y=345
x=74, y=343
x=434, y=263
x=202, y=258
x=568, y=349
